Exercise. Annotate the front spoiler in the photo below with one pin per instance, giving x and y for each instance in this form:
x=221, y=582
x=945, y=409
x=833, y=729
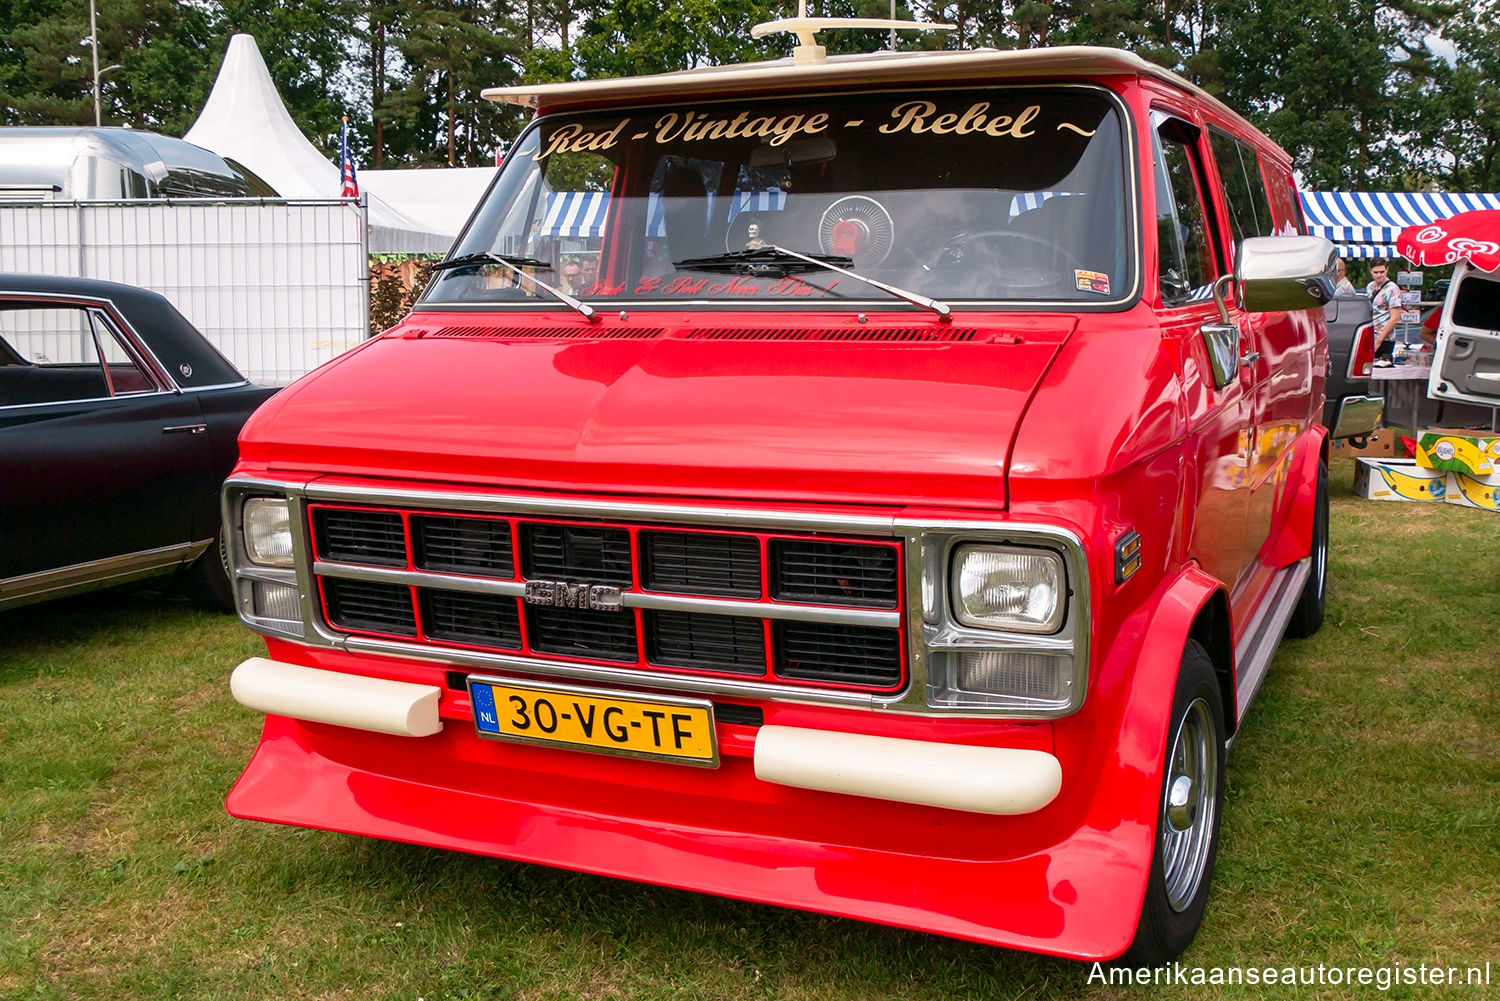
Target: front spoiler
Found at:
x=996, y=880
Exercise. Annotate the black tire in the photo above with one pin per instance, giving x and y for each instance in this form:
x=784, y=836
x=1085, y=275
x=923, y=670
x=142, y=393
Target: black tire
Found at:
x=207, y=580
x=1307, y=617
x=1187, y=834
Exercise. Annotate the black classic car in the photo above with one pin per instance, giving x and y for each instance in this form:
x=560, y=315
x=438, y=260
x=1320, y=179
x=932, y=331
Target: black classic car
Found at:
x=118, y=424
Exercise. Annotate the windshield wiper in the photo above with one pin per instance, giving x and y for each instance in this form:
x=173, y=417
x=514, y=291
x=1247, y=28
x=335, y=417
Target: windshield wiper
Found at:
x=762, y=261
x=940, y=308
x=787, y=261
x=514, y=263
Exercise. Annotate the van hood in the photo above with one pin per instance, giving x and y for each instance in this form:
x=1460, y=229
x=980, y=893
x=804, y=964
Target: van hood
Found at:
x=672, y=413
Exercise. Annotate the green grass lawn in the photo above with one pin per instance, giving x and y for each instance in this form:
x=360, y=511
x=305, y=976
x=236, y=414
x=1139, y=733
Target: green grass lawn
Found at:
x=1362, y=828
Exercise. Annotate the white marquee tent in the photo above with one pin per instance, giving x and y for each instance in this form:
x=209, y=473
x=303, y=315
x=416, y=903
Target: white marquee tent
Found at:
x=245, y=119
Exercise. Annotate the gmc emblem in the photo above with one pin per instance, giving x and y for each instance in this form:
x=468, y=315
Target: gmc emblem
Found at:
x=560, y=593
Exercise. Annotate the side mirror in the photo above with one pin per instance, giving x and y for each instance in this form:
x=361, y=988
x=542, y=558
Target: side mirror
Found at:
x=1276, y=273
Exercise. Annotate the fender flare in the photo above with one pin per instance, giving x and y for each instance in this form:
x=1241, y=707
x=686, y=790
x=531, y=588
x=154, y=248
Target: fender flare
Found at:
x=1128, y=758
x=1299, y=503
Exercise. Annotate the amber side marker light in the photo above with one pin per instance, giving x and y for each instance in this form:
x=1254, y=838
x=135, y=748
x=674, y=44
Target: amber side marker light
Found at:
x=1127, y=556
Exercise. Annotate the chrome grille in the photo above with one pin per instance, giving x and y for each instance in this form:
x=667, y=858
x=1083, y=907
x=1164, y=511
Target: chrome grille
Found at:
x=775, y=607
x=463, y=545
x=849, y=655
x=368, y=537
x=487, y=620
x=702, y=563
x=582, y=553
x=712, y=642
x=365, y=606
x=836, y=573
x=582, y=633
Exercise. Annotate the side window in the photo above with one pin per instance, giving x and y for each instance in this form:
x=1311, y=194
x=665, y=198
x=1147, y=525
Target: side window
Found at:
x=1244, y=187
x=57, y=354
x=1184, y=239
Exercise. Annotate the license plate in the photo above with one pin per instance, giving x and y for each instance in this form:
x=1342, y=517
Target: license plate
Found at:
x=660, y=727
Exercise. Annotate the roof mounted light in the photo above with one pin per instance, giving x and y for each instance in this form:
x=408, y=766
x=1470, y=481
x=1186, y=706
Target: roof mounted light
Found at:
x=805, y=28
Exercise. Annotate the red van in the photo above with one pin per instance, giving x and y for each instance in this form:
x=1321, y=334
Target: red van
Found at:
x=894, y=518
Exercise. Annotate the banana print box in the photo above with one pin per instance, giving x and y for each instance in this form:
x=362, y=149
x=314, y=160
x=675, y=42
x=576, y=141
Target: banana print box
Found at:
x=1399, y=480
x=1459, y=451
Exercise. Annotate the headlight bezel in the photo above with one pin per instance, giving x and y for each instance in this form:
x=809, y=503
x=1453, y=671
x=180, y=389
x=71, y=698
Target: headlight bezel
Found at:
x=266, y=593
x=939, y=639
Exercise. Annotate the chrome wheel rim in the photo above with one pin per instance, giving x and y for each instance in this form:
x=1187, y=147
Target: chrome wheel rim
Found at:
x=1189, y=799
x=1320, y=557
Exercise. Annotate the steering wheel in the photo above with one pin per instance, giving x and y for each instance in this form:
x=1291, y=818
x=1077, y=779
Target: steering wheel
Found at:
x=983, y=252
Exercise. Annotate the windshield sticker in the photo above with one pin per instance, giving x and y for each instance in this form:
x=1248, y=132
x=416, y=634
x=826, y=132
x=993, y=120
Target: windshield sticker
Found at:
x=919, y=117
x=1092, y=281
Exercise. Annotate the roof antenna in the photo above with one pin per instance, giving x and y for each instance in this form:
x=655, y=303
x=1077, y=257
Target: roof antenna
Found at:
x=808, y=50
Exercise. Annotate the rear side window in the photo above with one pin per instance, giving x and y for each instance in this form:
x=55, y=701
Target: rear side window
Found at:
x=1184, y=241
x=1244, y=187
x=56, y=354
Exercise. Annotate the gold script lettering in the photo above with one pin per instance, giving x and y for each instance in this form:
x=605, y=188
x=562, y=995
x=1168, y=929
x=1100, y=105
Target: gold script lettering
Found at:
x=573, y=139
x=695, y=125
x=918, y=118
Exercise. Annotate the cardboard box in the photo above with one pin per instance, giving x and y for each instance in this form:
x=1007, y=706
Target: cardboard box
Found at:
x=1399, y=480
x=1482, y=492
x=1475, y=453
x=1404, y=480
x=1384, y=442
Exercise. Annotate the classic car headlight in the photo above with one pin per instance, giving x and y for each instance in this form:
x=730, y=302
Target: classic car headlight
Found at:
x=1003, y=587
x=268, y=531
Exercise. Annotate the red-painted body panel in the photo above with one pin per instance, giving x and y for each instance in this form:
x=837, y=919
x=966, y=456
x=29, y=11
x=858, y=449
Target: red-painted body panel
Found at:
x=1094, y=423
x=835, y=421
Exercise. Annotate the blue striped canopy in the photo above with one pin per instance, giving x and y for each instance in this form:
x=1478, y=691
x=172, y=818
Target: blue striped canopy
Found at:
x=575, y=213
x=1365, y=224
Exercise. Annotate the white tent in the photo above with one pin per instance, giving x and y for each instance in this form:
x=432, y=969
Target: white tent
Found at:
x=244, y=119
x=442, y=197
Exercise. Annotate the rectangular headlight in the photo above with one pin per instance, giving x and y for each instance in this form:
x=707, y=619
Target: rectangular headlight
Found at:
x=1009, y=588
x=268, y=531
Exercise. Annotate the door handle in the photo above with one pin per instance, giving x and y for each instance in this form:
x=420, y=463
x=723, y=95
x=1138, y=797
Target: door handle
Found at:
x=185, y=429
x=1249, y=358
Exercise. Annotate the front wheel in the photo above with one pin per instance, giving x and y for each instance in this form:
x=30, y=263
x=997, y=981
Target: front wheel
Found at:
x=1187, y=823
x=207, y=580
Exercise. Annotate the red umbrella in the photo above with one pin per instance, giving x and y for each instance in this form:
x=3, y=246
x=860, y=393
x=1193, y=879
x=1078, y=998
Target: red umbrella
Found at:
x=1472, y=236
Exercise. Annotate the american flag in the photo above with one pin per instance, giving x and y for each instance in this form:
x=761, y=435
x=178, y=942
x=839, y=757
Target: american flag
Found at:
x=346, y=166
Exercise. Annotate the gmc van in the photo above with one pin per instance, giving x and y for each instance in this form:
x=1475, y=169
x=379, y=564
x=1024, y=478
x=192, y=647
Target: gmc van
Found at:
x=895, y=521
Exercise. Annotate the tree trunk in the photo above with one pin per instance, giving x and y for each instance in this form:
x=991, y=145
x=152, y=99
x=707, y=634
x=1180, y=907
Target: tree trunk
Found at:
x=452, y=108
x=377, y=90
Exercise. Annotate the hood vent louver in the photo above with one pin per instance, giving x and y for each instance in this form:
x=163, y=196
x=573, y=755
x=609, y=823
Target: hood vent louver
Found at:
x=908, y=334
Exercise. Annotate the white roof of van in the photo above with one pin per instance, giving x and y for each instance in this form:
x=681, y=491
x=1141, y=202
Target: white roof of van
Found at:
x=876, y=68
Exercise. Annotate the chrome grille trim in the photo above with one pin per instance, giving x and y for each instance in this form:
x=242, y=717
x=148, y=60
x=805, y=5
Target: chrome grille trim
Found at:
x=915, y=536
x=628, y=599
x=666, y=515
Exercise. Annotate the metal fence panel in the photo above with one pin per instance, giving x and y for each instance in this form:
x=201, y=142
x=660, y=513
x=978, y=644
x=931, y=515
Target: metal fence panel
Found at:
x=280, y=287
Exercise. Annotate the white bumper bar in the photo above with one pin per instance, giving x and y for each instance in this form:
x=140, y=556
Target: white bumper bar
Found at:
x=996, y=780
x=398, y=707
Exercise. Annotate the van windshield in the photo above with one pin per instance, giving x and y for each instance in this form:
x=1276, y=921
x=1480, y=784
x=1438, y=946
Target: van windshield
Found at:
x=1000, y=194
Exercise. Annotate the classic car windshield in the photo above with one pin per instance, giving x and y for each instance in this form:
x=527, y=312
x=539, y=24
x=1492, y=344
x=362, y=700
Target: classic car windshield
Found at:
x=1015, y=193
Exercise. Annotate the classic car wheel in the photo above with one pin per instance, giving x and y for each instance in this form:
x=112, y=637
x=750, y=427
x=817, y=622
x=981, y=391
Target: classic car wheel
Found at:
x=1187, y=822
x=1307, y=617
x=207, y=582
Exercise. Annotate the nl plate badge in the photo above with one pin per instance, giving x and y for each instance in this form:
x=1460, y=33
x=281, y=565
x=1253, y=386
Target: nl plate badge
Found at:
x=656, y=727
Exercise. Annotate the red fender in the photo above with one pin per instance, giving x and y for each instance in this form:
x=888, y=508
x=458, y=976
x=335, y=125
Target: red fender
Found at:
x=1128, y=758
x=1294, y=541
